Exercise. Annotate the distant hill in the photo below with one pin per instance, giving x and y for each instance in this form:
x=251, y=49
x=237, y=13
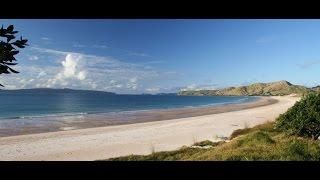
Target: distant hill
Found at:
x=51, y=90
x=278, y=88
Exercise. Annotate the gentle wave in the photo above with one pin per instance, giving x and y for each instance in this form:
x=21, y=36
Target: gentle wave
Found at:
x=46, y=115
x=239, y=101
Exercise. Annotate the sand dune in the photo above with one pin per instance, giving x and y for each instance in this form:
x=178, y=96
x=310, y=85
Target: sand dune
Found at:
x=140, y=138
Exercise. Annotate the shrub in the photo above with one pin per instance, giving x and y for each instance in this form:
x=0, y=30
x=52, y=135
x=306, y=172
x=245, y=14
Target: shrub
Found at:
x=303, y=119
x=207, y=143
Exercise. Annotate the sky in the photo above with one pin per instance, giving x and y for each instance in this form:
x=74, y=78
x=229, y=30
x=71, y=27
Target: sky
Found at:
x=154, y=56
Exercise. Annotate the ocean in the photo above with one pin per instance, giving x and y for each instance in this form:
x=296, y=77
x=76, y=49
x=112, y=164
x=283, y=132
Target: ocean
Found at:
x=21, y=105
x=37, y=111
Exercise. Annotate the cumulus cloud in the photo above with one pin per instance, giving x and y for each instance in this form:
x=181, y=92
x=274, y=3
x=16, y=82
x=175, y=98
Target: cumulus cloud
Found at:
x=81, y=75
x=71, y=70
x=71, y=67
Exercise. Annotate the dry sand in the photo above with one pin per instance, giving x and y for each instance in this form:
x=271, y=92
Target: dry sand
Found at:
x=140, y=138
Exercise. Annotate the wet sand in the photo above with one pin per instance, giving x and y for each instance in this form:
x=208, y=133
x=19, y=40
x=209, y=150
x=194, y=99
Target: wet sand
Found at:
x=145, y=137
x=53, y=124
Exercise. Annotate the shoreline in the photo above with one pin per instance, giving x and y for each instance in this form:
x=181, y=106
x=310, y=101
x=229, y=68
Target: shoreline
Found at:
x=55, y=124
x=139, y=138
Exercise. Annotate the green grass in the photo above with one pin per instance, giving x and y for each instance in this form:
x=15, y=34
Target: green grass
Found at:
x=262, y=142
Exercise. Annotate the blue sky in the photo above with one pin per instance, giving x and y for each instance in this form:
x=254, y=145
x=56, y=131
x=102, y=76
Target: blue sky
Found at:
x=151, y=56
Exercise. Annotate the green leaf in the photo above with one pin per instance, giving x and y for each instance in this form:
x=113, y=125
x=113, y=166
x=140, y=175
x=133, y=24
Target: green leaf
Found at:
x=18, y=44
x=10, y=28
x=10, y=37
x=14, y=53
x=4, y=69
x=11, y=64
x=12, y=70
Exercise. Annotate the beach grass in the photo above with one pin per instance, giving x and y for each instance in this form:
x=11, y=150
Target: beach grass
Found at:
x=262, y=142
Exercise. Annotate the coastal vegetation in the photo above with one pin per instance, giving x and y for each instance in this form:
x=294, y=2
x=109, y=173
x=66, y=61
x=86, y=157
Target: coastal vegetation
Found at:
x=9, y=49
x=303, y=118
x=293, y=136
x=262, y=142
x=278, y=88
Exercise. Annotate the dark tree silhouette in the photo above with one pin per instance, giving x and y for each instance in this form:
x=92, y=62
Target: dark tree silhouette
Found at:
x=8, y=49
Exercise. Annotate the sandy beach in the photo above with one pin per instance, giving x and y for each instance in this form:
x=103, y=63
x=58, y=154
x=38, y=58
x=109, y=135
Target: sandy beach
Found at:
x=143, y=137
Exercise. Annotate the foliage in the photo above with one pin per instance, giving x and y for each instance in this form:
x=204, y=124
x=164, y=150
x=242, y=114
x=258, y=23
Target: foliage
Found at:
x=9, y=49
x=207, y=143
x=303, y=119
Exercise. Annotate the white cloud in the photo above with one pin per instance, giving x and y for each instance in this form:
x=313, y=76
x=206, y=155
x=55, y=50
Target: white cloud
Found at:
x=11, y=86
x=308, y=64
x=93, y=85
x=133, y=80
x=45, y=38
x=49, y=51
x=71, y=71
x=115, y=84
x=42, y=73
x=154, y=62
x=95, y=72
x=81, y=75
x=113, y=81
x=118, y=86
x=139, y=54
x=190, y=87
x=71, y=67
x=83, y=71
x=133, y=83
x=100, y=46
x=199, y=87
x=33, y=58
x=153, y=90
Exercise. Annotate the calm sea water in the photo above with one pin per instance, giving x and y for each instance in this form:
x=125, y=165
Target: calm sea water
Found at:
x=16, y=105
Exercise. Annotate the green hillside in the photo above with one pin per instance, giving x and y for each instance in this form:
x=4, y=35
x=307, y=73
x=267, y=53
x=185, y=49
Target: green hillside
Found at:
x=278, y=88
